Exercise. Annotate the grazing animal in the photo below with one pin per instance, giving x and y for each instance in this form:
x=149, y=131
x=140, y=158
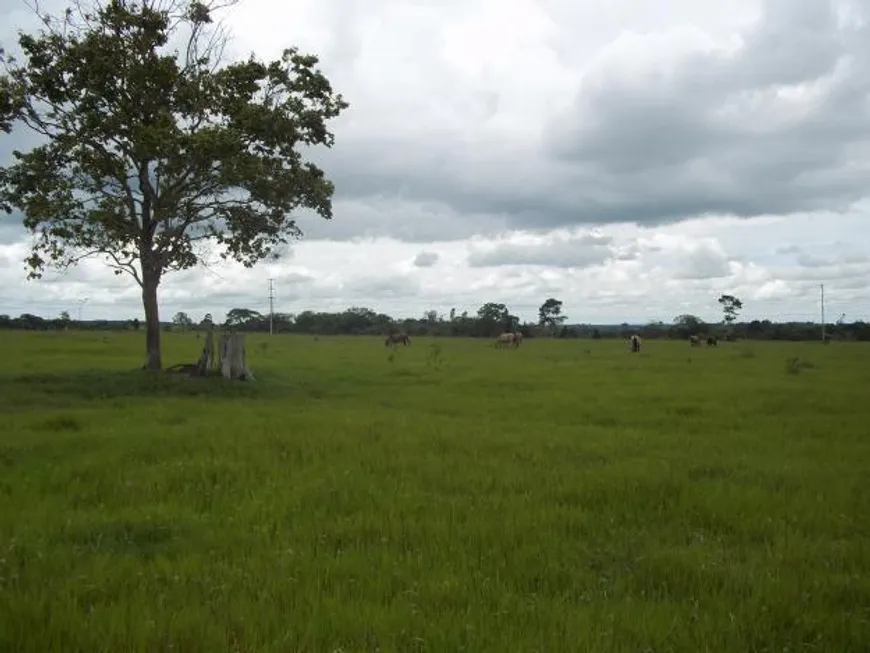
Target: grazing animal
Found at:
x=509, y=338
x=695, y=341
x=712, y=341
x=396, y=338
x=635, y=343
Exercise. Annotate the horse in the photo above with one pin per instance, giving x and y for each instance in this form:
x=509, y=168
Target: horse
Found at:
x=712, y=341
x=396, y=338
x=694, y=341
x=508, y=338
x=635, y=343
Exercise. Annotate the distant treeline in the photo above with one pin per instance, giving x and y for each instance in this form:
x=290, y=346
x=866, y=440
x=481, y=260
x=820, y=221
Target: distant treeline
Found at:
x=363, y=321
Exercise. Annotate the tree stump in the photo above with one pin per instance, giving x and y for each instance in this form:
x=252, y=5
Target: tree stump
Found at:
x=233, y=358
x=207, y=357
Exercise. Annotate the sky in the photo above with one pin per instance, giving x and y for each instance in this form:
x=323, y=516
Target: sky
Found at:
x=633, y=163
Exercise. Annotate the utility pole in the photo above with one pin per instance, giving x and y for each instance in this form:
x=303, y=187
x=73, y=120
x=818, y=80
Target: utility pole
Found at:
x=82, y=303
x=822, y=286
x=271, y=306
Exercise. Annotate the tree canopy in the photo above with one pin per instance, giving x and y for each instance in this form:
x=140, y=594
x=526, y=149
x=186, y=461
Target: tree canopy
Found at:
x=730, y=307
x=149, y=153
x=496, y=316
x=550, y=313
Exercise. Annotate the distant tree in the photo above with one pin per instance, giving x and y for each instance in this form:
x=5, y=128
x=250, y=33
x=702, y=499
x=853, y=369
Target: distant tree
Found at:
x=239, y=316
x=283, y=321
x=687, y=325
x=492, y=312
x=147, y=154
x=688, y=320
x=431, y=316
x=730, y=308
x=492, y=317
x=356, y=319
x=550, y=314
x=31, y=321
x=452, y=314
x=64, y=319
x=182, y=320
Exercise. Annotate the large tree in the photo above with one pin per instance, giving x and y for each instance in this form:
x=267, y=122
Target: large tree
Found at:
x=150, y=153
x=730, y=308
x=239, y=316
x=550, y=314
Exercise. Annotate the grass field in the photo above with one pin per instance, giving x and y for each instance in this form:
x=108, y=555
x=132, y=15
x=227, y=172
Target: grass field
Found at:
x=566, y=496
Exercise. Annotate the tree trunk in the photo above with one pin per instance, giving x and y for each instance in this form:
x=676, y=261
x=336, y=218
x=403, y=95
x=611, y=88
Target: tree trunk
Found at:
x=153, y=360
x=233, y=358
x=207, y=357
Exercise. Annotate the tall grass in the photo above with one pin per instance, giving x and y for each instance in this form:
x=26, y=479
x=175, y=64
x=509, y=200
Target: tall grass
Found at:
x=448, y=496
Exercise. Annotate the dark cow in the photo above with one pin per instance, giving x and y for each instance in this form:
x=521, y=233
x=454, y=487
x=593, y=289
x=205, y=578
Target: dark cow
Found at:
x=712, y=341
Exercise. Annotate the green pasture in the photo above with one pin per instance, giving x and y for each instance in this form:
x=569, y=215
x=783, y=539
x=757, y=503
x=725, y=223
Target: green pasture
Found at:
x=448, y=496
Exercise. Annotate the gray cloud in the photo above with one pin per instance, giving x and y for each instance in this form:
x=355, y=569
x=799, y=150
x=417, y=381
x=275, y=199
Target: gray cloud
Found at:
x=10, y=234
x=701, y=264
x=860, y=282
x=294, y=278
x=854, y=258
x=788, y=249
x=719, y=133
x=663, y=127
x=810, y=261
x=382, y=287
x=832, y=259
x=11, y=226
x=823, y=271
x=577, y=252
x=397, y=217
x=426, y=259
x=777, y=127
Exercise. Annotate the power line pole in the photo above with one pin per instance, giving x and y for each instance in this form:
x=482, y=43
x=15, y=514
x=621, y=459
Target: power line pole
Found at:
x=82, y=303
x=271, y=306
x=822, y=287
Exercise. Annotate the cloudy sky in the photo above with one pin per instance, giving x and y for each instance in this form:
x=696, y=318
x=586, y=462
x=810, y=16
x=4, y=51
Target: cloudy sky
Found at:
x=634, y=163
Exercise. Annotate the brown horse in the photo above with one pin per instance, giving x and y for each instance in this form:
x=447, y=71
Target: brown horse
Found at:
x=509, y=338
x=396, y=338
x=635, y=343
